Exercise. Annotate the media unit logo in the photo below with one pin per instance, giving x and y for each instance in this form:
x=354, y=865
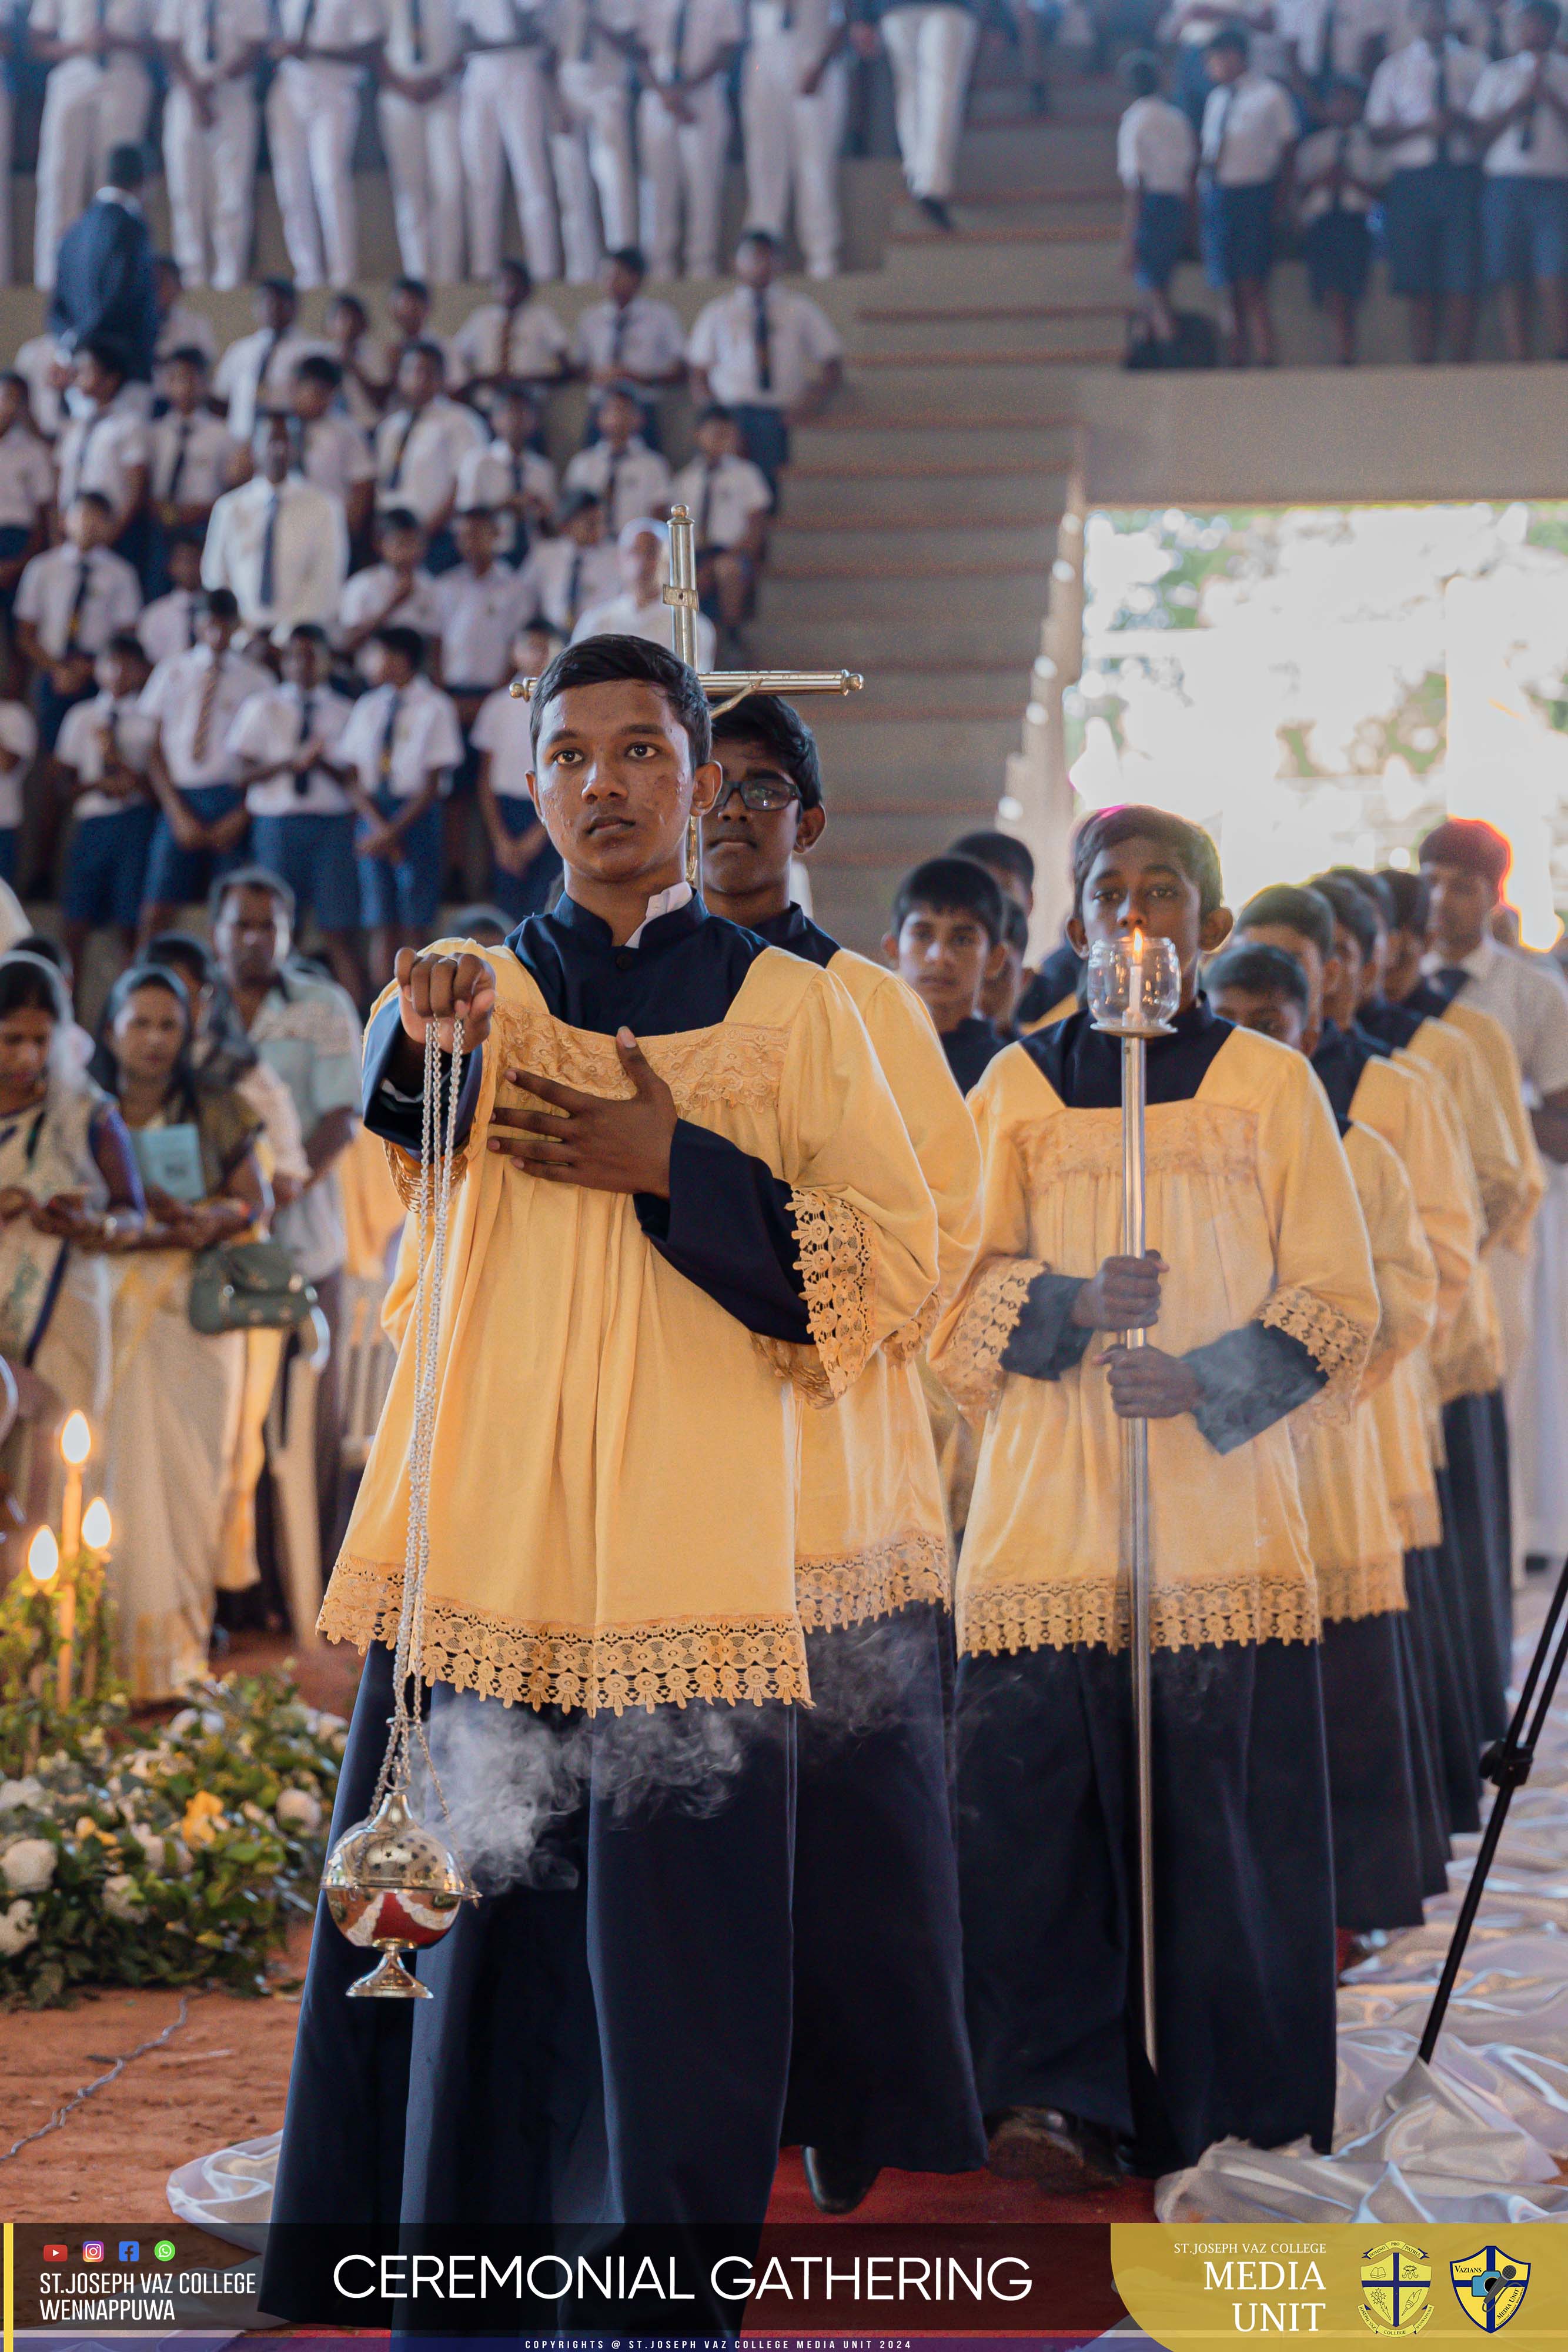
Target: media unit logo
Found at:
x=1395, y=2288
x=1490, y=2286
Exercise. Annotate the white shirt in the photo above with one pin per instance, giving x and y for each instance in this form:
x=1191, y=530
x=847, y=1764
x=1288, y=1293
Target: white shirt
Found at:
x=520, y=344
x=274, y=725
x=79, y=747
x=333, y=25
x=46, y=594
x=479, y=618
x=563, y=579
x=168, y=625
x=365, y=596
x=496, y=21
x=1155, y=149
x=1532, y=1003
x=723, y=501
x=439, y=42
x=577, y=29
x=709, y=26
x=1499, y=87
x=385, y=358
x=1318, y=153
x=416, y=729
x=26, y=476
x=258, y=370
x=33, y=363
x=633, y=481
x=663, y=902
x=235, y=27
x=1404, y=93
x=495, y=475
x=18, y=743
x=501, y=727
x=802, y=339
x=97, y=452
x=643, y=338
x=309, y=552
x=174, y=694
x=73, y=20
x=621, y=616
x=1248, y=129
x=1333, y=33
x=418, y=453
x=184, y=328
x=336, y=455
x=210, y=452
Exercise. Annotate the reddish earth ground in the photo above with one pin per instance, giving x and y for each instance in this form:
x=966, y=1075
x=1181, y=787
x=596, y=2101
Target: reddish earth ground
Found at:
x=223, y=2077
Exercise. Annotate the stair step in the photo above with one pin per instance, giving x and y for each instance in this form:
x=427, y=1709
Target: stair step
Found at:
x=1078, y=333
x=896, y=649
x=1013, y=233
x=833, y=501
x=916, y=548
x=949, y=599
x=956, y=276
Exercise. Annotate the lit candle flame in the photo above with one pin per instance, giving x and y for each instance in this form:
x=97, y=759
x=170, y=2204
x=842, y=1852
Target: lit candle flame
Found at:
x=43, y=1555
x=76, y=1440
x=97, y=1527
x=1137, y=943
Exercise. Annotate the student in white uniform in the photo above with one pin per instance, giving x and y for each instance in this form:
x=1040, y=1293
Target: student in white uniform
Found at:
x=1249, y=128
x=771, y=354
x=590, y=146
x=509, y=477
x=105, y=446
x=18, y=748
x=334, y=453
x=202, y=823
x=632, y=479
x=168, y=625
x=640, y=610
x=930, y=47
x=506, y=127
x=100, y=773
x=482, y=606
x=420, y=446
x=279, y=545
x=46, y=367
x=395, y=590
x=257, y=370
x=96, y=97
x=729, y=502
x=211, y=52
x=312, y=117
x=27, y=485
x=524, y=863
x=630, y=337
x=794, y=96
x=1521, y=106
x=417, y=70
x=513, y=338
x=409, y=306
x=181, y=326
x=564, y=576
x=192, y=453
x=401, y=741
x=71, y=601
x=1156, y=156
x=686, y=48
x=348, y=331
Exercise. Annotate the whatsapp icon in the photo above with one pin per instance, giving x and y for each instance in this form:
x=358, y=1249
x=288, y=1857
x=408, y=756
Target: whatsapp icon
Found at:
x=165, y=2249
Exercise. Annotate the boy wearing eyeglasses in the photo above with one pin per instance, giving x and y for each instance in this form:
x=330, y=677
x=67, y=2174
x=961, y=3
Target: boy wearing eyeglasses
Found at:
x=879, y=2071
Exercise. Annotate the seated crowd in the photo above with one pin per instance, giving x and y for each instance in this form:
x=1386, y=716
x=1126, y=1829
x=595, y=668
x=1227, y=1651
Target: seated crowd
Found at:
x=270, y=604
x=1432, y=133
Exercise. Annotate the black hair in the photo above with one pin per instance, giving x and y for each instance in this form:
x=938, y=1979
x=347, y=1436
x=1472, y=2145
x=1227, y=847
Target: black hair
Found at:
x=763, y=236
x=125, y=165
x=1546, y=11
x=409, y=643
x=342, y=299
x=189, y=355
x=514, y=263
x=407, y=285
x=1189, y=847
x=105, y=355
x=1409, y=897
x=31, y=981
x=1229, y=36
x=251, y=877
x=166, y=261
x=952, y=885
x=96, y=499
x=220, y=603
x=769, y=719
x=631, y=256
x=474, y=514
x=1140, y=72
x=578, y=502
x=1473, y=845
x=1291, y=907
x=514, y=390
x=287, y=291
x=1370, y=886
x=126, y=641
x=397, y=519
x=421, y=348
x=716, y=413
x=1350, y=83
x=600, y=661
x=1014, y=924
x=105, y=1068
x=187, y=535
x=1351, y=908
x=181, y=951
x=1260, y=970
x=994, y=849
x=310, y=631
x=317, y=368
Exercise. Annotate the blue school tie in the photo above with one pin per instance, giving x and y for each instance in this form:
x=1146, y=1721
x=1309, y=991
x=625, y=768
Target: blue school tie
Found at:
x=268, y=590
x=303, y=776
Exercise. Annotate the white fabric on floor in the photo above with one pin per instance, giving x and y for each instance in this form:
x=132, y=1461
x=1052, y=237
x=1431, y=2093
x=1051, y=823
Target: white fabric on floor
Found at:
x=1482, y=2136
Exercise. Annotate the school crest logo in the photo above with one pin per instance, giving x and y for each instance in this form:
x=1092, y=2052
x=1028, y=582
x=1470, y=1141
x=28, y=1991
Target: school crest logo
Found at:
x=1490, y=2286
x=1395, y=2288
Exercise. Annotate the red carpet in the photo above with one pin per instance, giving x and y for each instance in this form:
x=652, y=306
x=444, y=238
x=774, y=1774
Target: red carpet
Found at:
x=960, y=2197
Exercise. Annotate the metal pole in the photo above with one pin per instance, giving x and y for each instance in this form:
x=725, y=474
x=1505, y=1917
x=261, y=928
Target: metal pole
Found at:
x=1136, y=1548
x=681, y=596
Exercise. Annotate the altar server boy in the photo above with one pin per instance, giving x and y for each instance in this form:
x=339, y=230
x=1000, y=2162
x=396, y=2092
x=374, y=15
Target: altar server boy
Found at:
x=1258, y=1296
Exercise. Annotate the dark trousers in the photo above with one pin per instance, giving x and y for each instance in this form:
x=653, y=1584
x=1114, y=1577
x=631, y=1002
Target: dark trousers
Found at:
x=1243, y=1896
x=879, y=2070
x=1448, y=1694
x=1475, y=1498
x=1378, y=1862
x=610, y=2036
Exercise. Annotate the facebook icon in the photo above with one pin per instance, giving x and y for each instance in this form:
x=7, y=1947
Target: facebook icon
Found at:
x=131, y=2249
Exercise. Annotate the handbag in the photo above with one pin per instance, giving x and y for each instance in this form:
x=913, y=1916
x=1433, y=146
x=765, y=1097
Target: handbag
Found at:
x=248, y=1287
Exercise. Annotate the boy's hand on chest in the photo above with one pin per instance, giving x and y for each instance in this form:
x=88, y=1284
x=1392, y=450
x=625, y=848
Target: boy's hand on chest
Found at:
x=606, y=1144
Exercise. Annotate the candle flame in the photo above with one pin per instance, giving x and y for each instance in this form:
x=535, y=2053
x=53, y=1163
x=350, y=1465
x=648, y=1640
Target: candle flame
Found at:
x=43, y=1555
x=76, y=1440
x=97, y=1527
x=1137, y=943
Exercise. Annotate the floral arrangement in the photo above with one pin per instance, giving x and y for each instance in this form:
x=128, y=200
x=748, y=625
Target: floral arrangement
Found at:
x=171, y=1854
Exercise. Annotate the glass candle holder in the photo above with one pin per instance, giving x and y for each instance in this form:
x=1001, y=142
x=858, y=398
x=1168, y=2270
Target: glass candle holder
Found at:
x=1134, y=985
